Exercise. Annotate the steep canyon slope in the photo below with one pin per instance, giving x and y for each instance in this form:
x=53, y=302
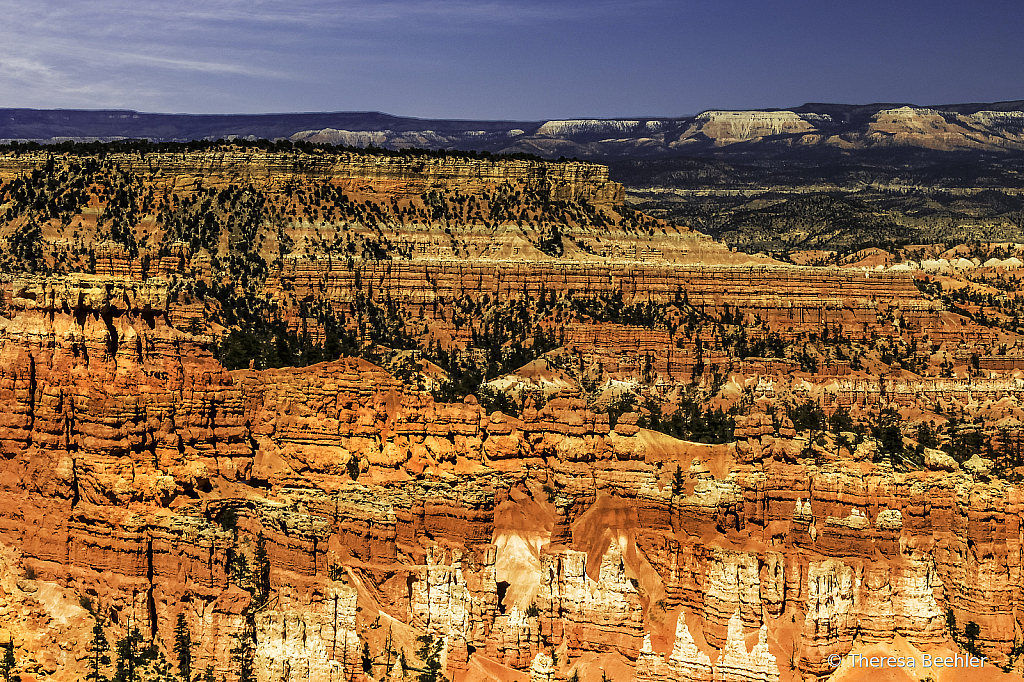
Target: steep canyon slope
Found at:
x=339, y=416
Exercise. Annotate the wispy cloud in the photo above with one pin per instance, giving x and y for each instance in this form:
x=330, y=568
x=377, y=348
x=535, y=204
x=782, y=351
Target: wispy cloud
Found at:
x=24, y=69
x=29, y=83
x=114, y=54
x=348, y=12
x=235, y=53
x=122, y=58
x=150, y=20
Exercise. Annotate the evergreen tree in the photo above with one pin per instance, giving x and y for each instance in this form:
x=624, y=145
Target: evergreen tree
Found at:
x=98, y=656
x=679, y=481
x=971, y=633
x=367, y=658
x=7, y=664
x=242, y=656
x=388, y=648
x=183, y=648
x=129, y=657
x=240, y=573
x=430, y=653
x=262, y=571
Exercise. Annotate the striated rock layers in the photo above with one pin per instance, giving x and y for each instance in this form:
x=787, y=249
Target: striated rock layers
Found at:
x=568, y=181
x=789, y=298
x=312, y=523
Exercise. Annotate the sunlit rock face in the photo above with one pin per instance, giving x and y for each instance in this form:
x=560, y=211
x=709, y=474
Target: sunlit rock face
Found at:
x=727, y=127
x=120, y=464
x=339, y=521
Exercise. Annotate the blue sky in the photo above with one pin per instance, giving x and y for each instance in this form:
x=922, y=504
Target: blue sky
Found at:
x=522, y=60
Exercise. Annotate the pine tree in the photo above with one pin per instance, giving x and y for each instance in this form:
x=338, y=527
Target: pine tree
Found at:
x=129, y=657
x=367, y=658
x=242, y=655
x=7, y=663
x=430, y=653
x=98, y=656
x=183, y=648
x=262, y=571
x=678, y=481
x=240, y=573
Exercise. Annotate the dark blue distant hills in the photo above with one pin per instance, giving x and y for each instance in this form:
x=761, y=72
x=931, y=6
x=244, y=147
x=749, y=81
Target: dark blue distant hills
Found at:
x=815, y=129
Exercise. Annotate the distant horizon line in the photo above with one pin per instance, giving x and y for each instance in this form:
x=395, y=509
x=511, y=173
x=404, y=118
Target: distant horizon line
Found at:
x=1019, y=102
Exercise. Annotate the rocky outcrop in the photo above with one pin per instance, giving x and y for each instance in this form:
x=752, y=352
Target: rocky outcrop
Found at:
x=338, y=521
x=728, y=127
x=686, y=662
x=868, y=553
x=138, y=472
x=929, y=128
x=602, y=614
x=739, y=664
x=312, y=638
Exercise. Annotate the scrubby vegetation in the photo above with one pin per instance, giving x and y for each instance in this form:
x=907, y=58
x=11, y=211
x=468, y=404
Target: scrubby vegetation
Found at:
x=887, y=199
x=228, y=251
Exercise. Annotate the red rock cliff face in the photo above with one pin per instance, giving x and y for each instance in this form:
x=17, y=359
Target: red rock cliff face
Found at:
x=788, y=298
x=568, y=181
x=124, y=443
x=313, y=522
